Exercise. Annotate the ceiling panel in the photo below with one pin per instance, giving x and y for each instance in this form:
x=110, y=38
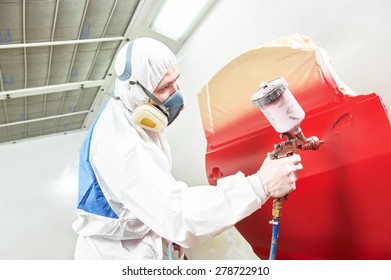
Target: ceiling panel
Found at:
x=46, y=88
x=56, y=60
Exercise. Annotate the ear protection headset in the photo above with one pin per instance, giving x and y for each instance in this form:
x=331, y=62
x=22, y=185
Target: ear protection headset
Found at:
x=149, y=117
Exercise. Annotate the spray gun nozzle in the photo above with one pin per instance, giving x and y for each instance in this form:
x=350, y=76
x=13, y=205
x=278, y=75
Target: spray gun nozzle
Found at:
x=313, y=143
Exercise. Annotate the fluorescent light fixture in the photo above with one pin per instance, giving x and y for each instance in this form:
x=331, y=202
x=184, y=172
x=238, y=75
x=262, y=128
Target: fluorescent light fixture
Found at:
x=176, y=18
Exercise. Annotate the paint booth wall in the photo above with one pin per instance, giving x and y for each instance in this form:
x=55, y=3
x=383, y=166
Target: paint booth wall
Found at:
x=38, y=197
x=355, y=34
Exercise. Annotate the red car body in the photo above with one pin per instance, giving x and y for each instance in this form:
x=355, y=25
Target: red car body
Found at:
x=341, y=208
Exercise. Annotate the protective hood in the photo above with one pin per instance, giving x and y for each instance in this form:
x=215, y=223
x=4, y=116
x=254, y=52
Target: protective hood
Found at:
x=145, y=60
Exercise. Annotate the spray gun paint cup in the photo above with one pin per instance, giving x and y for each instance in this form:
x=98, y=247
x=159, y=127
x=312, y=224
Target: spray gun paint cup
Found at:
x=279, y=106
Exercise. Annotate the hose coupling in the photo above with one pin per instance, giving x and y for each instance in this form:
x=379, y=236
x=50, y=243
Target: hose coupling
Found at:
x=277, y=207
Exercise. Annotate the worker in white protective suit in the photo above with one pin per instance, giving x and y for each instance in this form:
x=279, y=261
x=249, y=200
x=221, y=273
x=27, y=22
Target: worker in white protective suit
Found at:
x=128, y=199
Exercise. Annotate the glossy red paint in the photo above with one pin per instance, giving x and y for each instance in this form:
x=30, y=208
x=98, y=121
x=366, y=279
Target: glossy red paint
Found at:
x=341, y=208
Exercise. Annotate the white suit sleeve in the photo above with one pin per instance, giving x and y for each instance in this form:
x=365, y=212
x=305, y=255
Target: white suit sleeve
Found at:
x=137, y=176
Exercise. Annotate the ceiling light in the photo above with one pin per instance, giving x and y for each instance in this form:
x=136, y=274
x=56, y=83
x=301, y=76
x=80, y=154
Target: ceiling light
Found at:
x=176, y=18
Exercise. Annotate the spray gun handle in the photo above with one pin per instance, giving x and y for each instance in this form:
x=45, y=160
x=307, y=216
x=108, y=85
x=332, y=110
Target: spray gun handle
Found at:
x=283, y=149
x=288, y=148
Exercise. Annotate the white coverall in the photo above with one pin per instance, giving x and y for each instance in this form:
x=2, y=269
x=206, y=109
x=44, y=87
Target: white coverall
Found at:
x=133, y=200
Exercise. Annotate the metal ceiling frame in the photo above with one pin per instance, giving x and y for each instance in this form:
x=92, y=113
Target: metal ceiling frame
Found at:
x=141, y=12
x=8, y=94
x=45, y=118
x=64, y=87
x=60, y=43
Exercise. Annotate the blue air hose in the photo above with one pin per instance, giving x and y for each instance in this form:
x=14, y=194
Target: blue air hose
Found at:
x=274, y=243
x=169, y=250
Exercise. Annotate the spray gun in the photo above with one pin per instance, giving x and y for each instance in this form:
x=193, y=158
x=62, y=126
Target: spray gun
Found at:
x=284, y=113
